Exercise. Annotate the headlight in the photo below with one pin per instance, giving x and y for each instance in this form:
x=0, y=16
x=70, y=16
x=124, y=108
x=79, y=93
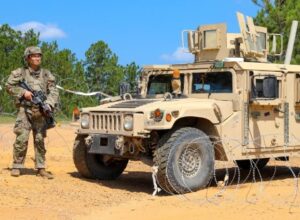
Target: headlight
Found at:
x=128, y=122
x=85, y=120
x=157, y=115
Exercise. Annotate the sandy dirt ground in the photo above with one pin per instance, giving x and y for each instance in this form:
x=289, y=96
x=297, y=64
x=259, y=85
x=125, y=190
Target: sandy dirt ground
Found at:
x=272, y=194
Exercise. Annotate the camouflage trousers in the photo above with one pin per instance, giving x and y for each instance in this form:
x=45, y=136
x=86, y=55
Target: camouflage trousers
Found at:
x=29, y=119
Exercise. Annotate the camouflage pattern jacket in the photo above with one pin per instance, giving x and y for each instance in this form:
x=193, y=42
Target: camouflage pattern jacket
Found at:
x=40, y=80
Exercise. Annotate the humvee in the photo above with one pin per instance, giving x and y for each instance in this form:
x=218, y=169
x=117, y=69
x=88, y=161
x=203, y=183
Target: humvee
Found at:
x=231, y=104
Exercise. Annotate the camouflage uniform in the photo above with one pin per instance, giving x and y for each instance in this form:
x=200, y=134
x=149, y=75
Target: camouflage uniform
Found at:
x=29, y=117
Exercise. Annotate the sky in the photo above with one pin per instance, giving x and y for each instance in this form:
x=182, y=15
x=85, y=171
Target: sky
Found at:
x=141, y=31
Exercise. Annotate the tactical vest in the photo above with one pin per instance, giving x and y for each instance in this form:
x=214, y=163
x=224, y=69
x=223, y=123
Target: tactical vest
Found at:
x=36, y=82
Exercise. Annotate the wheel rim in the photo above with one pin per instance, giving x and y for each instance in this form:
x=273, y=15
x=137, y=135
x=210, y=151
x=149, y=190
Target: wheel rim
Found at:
x=190, y=161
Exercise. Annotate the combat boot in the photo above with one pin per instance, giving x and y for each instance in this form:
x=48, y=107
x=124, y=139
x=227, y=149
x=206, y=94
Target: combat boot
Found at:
x=15, y=172
x=43, y=173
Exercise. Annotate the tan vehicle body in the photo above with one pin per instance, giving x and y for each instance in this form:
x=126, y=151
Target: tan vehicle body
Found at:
x=240, y=125
x=225, y=113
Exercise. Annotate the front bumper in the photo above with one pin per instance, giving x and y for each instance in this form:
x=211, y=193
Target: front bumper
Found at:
x=103, y=144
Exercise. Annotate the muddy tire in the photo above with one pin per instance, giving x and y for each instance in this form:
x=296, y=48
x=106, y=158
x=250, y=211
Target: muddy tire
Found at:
x=96, y=166
x=79, y=157
x=255, y=163
x=103, y=168
x=185, y=161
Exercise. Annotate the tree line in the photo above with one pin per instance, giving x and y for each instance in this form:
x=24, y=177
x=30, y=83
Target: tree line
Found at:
x=99, y=71
x=277, y=16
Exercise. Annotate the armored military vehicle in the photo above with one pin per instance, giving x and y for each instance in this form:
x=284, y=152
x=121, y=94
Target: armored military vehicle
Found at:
x=230, y=104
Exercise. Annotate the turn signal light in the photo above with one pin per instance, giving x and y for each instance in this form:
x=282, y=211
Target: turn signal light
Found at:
x=168, y=117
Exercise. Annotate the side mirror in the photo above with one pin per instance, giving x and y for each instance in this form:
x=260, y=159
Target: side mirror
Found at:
x=124, y=88
x=270, y=88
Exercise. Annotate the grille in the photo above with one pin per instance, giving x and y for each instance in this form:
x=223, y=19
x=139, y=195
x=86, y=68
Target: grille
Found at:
x=107, y=121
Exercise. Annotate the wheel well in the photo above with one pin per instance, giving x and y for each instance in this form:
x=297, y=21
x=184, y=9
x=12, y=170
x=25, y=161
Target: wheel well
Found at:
x=201, y=123
x=208, y=128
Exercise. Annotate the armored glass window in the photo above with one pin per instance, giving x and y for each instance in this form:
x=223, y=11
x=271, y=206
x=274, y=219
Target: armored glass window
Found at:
x=265, y=87
x=258, y=88
x=212, y=82
x=261, y=41
x=210, y=39
x=160, y=84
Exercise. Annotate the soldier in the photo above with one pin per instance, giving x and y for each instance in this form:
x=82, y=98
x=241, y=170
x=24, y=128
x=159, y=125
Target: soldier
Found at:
x=29, y=116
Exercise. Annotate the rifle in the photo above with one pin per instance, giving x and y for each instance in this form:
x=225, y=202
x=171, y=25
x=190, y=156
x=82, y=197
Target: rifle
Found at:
x=39, y=98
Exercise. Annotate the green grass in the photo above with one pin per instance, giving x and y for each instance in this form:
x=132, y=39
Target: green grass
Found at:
x=4, y=119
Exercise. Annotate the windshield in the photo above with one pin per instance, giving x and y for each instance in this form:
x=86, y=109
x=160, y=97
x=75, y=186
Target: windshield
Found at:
x=212, y=82
x=160, y=84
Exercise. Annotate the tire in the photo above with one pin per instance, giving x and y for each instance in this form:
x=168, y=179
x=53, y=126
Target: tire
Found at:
x=177, y=175
x=255, y=163
x=79, y=157
x=96, y=166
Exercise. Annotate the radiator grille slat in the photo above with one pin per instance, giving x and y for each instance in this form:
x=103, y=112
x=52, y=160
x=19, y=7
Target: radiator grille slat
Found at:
x=107, y=121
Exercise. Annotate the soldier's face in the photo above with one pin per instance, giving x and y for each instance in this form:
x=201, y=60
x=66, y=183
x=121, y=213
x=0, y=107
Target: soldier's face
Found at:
x=34, y=60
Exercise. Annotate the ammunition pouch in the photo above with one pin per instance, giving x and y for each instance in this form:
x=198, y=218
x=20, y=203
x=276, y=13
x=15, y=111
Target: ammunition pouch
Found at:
x=37, y=107
x=35, y=112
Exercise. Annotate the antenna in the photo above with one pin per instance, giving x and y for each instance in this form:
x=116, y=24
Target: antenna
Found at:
x=290, y=48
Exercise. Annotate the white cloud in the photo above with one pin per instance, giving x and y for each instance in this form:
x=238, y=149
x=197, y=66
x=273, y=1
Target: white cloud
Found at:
x=47, y=31
x=179, y=56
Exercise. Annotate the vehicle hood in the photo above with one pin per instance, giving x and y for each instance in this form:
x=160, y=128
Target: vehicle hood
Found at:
x=214, y=110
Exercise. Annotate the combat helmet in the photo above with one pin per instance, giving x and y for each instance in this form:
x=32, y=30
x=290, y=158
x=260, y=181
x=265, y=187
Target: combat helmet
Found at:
x=32, y=50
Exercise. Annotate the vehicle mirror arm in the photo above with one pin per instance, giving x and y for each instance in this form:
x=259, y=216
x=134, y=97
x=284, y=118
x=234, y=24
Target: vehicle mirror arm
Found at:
x=167, y=96
x=127, y=96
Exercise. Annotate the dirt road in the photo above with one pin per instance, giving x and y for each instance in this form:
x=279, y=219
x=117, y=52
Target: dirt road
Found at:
x=273, y=195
